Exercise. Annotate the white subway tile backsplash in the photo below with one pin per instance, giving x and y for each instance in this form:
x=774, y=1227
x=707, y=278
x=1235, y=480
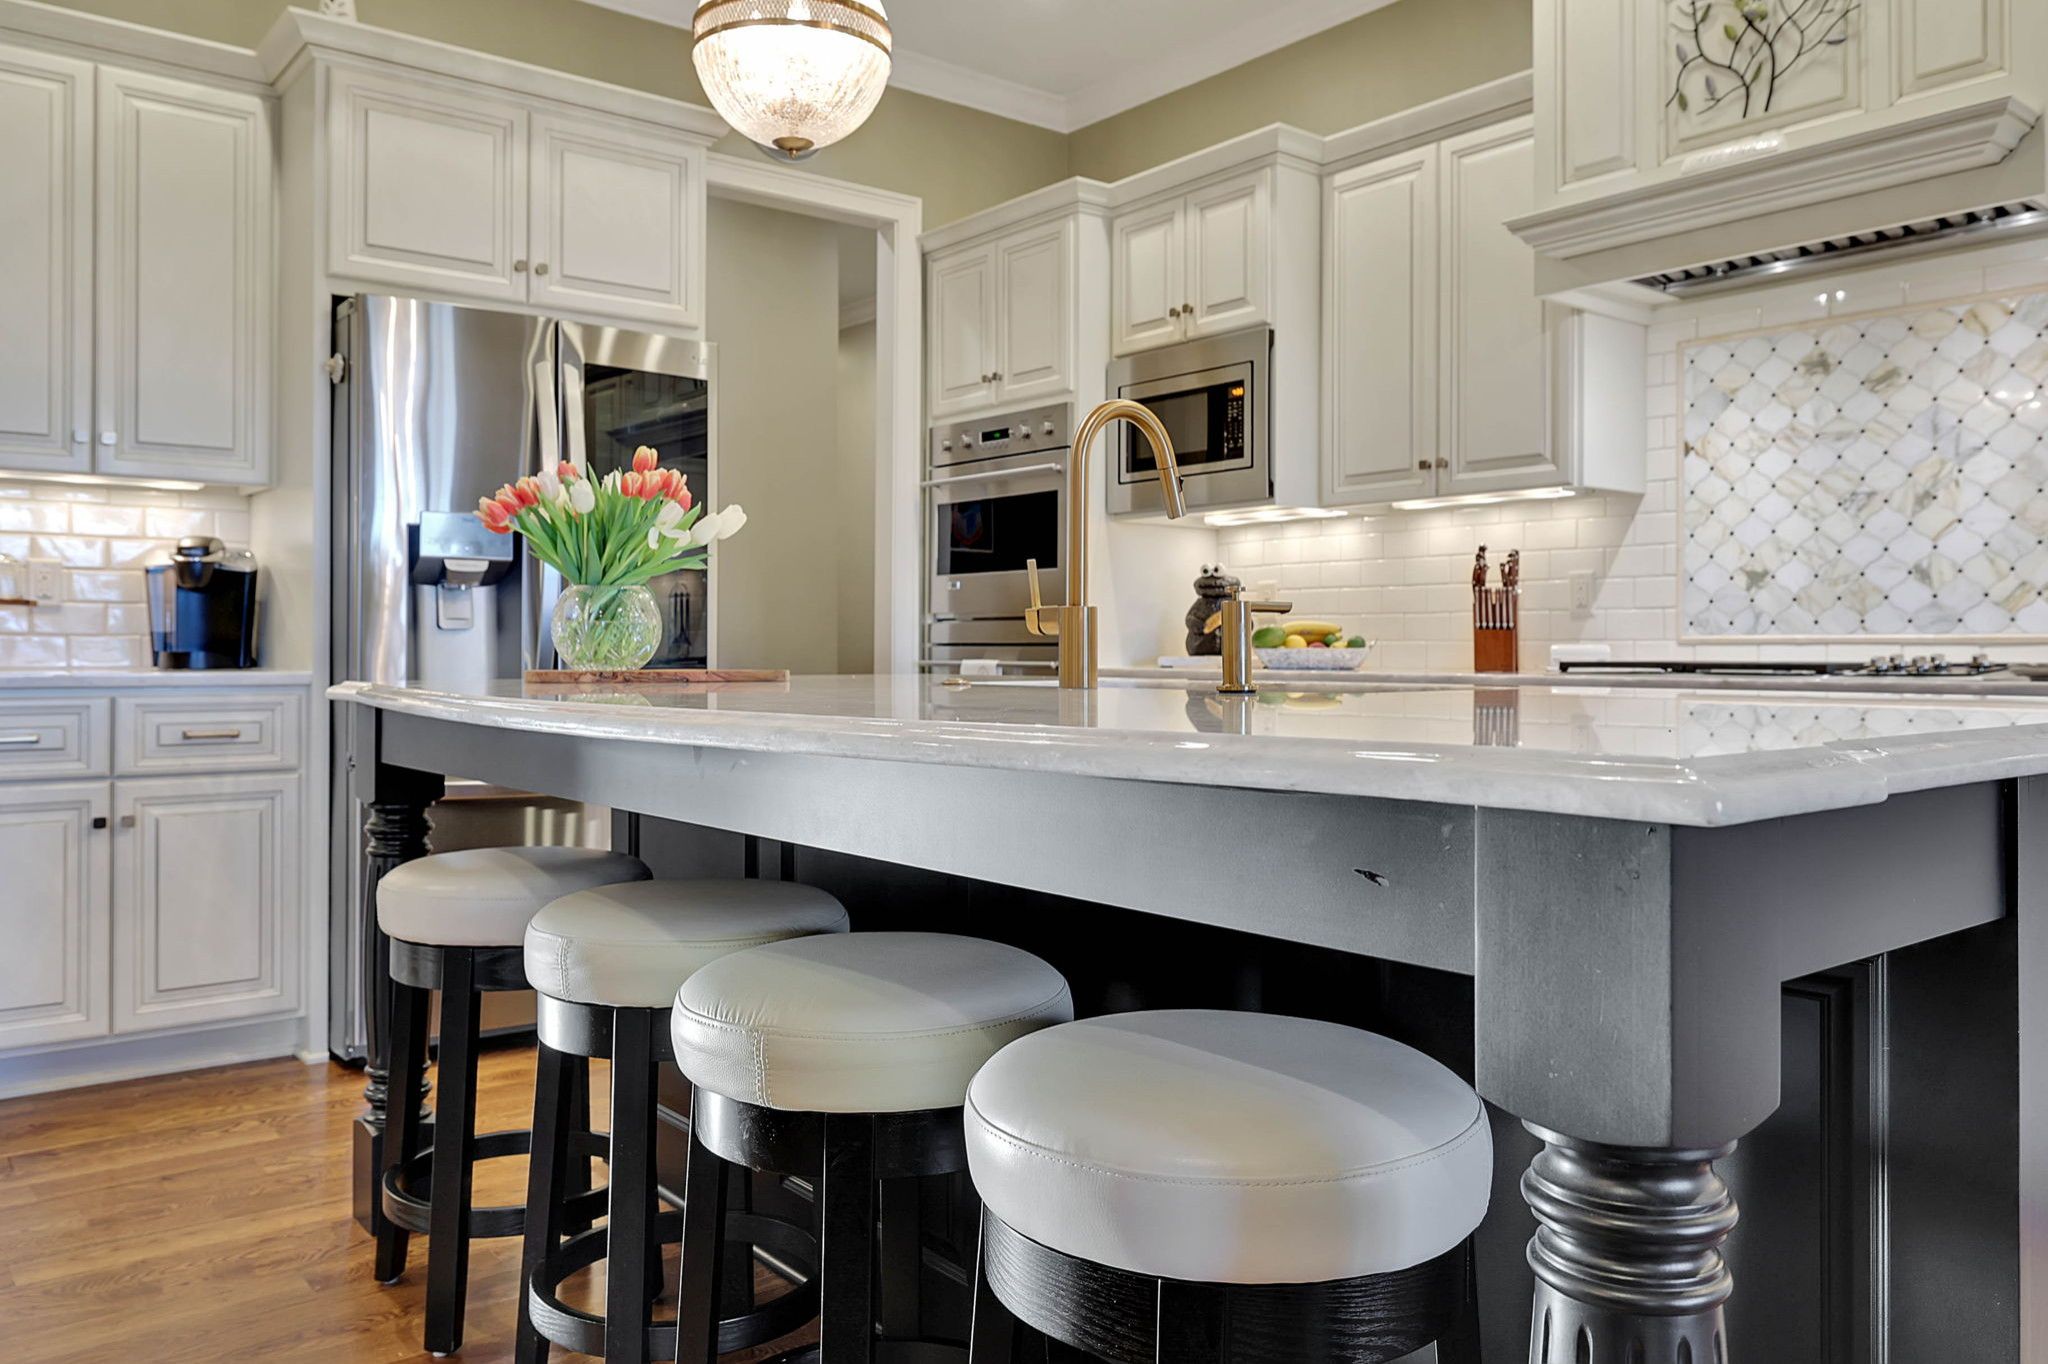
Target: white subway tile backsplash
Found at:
x=102, y=536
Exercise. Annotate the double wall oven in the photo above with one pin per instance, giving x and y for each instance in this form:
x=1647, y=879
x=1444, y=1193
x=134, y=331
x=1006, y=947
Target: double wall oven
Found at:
x=996, y=491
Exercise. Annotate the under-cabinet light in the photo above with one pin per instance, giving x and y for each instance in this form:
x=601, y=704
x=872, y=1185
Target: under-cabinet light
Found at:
x=1268, y=515
x=166, y=485
x=1480, y=499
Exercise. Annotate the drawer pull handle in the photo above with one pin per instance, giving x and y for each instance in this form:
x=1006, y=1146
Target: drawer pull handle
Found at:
x=21, y=740
x=194, y=736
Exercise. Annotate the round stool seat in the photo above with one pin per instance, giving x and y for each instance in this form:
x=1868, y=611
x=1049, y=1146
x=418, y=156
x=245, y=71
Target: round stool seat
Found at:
x=483, y=897
x=860, y=1022
x=1229, y=1147
x=628, y=946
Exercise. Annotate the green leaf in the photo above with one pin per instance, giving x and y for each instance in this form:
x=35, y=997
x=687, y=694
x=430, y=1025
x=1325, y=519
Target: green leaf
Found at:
x=1729, y=31
x=1683, y=104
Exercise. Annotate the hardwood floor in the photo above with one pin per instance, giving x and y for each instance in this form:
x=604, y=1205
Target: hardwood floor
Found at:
x=204, y=1217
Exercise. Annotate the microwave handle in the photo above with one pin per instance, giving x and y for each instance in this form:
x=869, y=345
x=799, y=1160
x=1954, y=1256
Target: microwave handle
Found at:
x=995, y=473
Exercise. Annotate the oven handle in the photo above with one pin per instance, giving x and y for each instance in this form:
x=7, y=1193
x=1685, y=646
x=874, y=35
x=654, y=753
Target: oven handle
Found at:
x=995, y=473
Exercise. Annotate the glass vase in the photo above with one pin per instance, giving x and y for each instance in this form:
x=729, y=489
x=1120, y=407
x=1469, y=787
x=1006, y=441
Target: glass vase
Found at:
x=606, y=629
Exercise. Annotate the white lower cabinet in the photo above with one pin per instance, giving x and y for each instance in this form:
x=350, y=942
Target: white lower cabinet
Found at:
x=204, y=870
x=53, y=912
x=133, y=902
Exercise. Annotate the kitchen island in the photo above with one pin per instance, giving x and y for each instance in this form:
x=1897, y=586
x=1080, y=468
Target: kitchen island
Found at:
x=1628, y=876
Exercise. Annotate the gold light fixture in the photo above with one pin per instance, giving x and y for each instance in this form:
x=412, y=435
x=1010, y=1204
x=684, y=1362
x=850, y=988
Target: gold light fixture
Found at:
x=792, y=75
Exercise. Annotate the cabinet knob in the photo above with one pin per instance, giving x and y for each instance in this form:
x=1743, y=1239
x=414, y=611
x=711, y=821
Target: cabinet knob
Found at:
x=1173, y=312
x=106, y=438
x=127, y=821
x=99, y=821
x=541, y=268
x=1423, y=465
x=997, y=376
x=519, y=267
x=1187, y=310
x=80, y=437
x=1442, y=463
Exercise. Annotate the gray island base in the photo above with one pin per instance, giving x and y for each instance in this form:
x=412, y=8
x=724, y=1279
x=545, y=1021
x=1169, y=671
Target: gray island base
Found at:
x=1629, y=879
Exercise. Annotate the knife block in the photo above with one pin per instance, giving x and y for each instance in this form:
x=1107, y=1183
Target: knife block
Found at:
x=1496, y=637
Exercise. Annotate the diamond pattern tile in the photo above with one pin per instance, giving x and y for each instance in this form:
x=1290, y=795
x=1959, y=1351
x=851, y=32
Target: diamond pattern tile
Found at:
x=1881, y=476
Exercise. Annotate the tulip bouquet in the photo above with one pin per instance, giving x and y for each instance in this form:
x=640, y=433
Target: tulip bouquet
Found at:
x=607, y=538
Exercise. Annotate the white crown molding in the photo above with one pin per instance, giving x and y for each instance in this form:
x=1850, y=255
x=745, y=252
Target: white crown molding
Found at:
x=1975, y=135
x=856, y=312
x=922, y=75
x=89, y=34
x=1078, y=194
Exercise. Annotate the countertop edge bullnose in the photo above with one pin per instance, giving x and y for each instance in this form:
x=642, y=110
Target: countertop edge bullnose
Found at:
x=1704, y=792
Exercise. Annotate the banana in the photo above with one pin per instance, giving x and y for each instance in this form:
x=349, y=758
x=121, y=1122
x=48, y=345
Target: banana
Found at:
x=1311, y=629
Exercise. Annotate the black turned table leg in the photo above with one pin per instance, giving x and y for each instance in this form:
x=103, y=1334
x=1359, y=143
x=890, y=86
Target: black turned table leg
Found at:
x=395, y=828
x=1627, y=1253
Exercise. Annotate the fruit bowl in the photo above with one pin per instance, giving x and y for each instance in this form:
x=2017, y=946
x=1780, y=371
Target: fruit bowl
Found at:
x=1314, y=660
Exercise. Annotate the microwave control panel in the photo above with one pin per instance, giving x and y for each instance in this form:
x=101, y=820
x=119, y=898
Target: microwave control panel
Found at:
x=1233, y=423
x=1007, y=433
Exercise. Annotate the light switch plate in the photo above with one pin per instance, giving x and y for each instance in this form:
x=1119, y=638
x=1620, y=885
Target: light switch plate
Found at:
x=45, y=580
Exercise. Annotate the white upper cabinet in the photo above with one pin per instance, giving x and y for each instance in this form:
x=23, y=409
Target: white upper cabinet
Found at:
x=1194, y=265
x=431, y=189
x=1445, y=373
x=466, y=192
x=184, y=332
x=1000, y=320
x=135, y=273
x=1494, y=399
x=46, y=262
x=614, y=214
x=1380, y=326
x=1669, y=132
x=53, y=981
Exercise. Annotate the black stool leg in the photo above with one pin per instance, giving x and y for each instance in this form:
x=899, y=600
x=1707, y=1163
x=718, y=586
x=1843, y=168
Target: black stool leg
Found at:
x=408, y=1062
x=736, y=1264
x=1189, y=1324
x=697, y=1300
x=900, y=1254
x=454, y=1154
x=577, y=1178
x=846, y=1314
x=548, y=1181
x=992, y=1337
x=1460, y=1344
x=629, y=1236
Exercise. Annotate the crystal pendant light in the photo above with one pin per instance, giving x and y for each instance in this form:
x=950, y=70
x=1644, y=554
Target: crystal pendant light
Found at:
x=793, y=75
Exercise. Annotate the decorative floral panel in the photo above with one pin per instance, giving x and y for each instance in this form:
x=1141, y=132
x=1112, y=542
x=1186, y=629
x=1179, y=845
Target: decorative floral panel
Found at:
x=1882, y=476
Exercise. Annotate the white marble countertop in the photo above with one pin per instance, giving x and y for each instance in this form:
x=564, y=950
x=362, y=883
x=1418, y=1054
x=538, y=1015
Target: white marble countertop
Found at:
x=134, y=679
x=1986, y=684
x=1681, y=756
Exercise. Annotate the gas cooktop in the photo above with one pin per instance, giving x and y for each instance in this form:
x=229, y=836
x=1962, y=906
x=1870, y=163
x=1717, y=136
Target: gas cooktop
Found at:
x=1883, y=665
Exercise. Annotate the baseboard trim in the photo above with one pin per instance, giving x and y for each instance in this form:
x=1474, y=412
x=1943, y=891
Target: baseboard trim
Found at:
x=132, y=1058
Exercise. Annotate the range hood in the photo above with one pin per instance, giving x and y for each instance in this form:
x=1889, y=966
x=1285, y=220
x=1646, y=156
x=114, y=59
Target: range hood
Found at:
x=1676, y=150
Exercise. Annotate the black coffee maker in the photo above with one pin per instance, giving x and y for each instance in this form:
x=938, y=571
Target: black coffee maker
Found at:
x=202, y=606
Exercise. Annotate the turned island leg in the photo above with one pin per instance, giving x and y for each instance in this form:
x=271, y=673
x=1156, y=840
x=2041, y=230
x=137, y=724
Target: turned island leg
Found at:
x=395, y=828
x=1627, y=1253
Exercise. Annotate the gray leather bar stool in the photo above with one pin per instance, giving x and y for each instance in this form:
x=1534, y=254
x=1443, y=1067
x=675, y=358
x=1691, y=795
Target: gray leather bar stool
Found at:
x=606, y=964
x=846, y=1059
x=456, y=922
x=1196, y=1187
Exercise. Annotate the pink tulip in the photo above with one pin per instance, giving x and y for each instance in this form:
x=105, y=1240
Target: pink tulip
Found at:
x=493, y=515
x=528, y=492
x=630, y=484
x=645, y=459
x=567, y=472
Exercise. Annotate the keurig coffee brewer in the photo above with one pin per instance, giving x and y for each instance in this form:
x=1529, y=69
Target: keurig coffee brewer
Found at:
x=202, y=606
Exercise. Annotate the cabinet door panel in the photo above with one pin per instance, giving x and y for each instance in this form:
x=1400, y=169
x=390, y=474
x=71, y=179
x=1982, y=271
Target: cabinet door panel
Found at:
x=432, y=189
x=1149, y=278
x=1228, y=264
x=1495, y=391
x=1034, y=301
x=962, y=331
x=206, y=896
x=1592, y=79
x=617, y=220
x=53, y=973
x=1380, y=274
x=1946, y=42
x=183, y=372
x=45, y=261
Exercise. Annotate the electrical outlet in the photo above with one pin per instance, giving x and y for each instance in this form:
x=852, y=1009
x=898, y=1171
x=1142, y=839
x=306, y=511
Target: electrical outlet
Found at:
x=45, y=580
x=1582, y=594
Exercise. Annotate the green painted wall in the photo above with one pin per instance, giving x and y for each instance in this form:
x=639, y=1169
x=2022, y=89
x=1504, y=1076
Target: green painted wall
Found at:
x=1395, y=58
x=957, y=160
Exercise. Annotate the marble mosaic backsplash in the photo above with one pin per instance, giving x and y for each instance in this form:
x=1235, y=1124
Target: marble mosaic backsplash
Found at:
x=1875, y=476
x=100, y=536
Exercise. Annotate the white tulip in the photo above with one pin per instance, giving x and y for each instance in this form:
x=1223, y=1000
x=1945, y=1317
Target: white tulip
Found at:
x=670, y=513
x=730, y=521
x=705, y=530
x=550, y=485
x=582, y=497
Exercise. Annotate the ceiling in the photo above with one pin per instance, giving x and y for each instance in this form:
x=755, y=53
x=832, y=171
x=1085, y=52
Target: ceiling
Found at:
x=1063, y=64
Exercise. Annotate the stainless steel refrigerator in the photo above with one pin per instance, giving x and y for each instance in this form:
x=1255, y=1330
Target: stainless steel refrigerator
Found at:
x=435, y=406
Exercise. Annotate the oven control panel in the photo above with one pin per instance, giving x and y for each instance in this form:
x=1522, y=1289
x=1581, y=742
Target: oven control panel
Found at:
x=1007, y=433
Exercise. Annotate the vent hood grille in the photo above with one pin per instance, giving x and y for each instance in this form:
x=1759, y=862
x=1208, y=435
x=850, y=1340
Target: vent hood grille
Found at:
x=1931, y=234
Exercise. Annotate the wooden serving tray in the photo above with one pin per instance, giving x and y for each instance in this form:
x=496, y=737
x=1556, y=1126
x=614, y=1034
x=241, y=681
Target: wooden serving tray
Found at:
x=652, y=677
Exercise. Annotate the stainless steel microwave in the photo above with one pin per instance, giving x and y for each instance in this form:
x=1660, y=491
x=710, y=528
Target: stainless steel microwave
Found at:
x=1215, y=396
